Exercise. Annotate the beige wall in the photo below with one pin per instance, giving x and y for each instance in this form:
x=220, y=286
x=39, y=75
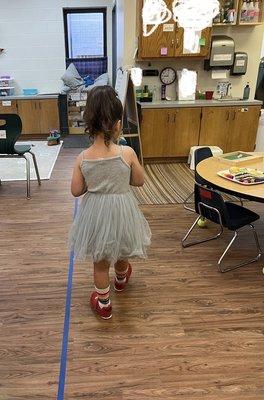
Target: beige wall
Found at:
x=127, y=41
x=248, y=39
x=120, y=32
x=262, y=50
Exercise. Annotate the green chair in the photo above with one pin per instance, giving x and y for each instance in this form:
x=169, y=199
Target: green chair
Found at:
x=11, y=127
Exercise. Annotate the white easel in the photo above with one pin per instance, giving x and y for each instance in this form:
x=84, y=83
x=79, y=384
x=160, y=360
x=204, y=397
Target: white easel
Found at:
x=126, y=93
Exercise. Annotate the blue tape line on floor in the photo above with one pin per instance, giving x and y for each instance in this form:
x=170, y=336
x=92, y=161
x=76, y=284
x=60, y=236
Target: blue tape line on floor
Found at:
x=66, y=328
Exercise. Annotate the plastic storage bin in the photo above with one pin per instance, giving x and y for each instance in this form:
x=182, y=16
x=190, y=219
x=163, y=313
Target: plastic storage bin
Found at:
x=7, y=91
x=30, y=92
x=6, y=81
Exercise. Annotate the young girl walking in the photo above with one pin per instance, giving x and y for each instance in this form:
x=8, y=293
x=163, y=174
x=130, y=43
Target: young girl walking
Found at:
x=109, y=226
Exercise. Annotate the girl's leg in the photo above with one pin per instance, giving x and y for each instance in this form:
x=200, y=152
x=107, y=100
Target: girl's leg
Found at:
x=100, y=301
x=101, y=274
x=122, y=274
x=121, y=267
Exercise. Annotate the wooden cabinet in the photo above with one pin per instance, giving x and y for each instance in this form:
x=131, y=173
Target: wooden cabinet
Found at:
x=215, y=127
x=38, y=116
x=204, y=49
x=28, y=111
x=185, y=131
x=243, y=128
x=49, y=115
x=167, y=40
x=230, y=128
x=8, y=107
x=151, y=46
x=169, y=132
x=154, y=132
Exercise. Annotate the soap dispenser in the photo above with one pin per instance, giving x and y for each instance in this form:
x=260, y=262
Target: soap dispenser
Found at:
x=246, y=92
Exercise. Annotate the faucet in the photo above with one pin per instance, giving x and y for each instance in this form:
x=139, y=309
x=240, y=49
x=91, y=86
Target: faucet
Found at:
x=229, y=87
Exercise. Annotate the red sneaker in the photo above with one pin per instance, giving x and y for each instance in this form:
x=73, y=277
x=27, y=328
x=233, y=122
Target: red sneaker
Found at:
x=105, y=312
x=120, y=286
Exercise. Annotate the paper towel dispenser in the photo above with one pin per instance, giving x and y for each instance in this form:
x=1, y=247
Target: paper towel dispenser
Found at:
x=240, y=63
x=222, y=53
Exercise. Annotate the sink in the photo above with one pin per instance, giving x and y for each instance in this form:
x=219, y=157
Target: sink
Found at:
x=229, y=99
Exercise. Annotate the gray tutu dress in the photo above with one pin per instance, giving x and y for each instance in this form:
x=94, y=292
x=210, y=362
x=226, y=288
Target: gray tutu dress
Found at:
x=109, y=225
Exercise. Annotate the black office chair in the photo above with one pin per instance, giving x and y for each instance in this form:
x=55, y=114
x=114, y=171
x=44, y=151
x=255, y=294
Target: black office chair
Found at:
x=199, y=155
x=12, y=126
x=209, y=204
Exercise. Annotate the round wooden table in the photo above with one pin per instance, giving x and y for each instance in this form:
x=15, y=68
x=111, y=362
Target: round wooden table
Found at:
x=207, y=170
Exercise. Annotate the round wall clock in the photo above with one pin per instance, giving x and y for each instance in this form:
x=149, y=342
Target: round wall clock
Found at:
x=168, y=76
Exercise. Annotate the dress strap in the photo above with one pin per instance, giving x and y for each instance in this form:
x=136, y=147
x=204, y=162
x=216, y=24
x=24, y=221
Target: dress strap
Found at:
x=121, y=150
x=82, y=153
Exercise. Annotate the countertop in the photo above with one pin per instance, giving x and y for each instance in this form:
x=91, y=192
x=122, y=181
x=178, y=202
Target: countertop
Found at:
x=34, y=97
x=200, y=103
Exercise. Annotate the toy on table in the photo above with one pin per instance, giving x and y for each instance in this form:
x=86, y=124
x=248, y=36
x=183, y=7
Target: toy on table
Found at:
x=240, y=157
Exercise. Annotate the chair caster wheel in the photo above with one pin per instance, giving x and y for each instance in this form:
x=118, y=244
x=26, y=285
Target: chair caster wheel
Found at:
x=202, y=222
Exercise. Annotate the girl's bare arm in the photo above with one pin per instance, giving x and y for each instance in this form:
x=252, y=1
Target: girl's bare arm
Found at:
x=78, y=185
x=137, y=173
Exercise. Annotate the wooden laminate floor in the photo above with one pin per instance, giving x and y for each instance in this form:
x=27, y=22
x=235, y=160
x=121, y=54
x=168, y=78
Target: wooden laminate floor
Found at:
x=181, y=330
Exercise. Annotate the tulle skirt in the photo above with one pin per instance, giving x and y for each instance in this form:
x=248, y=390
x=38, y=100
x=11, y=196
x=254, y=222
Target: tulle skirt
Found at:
x=109, y=227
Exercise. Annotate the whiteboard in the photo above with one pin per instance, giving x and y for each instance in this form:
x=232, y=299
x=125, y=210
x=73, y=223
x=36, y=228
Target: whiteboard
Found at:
x=121, y=85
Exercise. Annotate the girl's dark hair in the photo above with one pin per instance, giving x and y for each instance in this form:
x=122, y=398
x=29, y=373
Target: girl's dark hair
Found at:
x=103, y=111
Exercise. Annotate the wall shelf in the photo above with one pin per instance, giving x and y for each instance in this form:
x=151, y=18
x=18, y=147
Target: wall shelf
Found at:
x=237, y=7
x=251, y=23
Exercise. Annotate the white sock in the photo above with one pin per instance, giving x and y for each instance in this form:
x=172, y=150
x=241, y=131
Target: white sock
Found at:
x=121, y=277
x=105, y=302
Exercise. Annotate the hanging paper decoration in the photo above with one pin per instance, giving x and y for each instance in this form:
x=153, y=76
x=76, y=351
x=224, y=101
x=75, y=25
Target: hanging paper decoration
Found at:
x=154, y=12
x=194, y=16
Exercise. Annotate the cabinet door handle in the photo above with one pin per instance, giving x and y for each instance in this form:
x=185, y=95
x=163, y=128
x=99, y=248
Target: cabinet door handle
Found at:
x=168, y=118
x=172, y=43
x=174, y=119
x=227, y=115
x=234, y=116
x=177, y=43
